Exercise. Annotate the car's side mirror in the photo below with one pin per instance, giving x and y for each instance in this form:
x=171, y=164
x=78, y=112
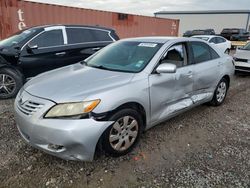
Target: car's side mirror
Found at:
x=166, y=68
x=32, y=47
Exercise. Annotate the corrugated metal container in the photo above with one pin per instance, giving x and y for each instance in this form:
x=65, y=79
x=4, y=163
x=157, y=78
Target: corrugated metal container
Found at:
x=18, y=14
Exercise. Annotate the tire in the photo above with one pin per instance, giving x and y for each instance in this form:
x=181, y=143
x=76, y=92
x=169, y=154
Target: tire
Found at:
x=220, y=93
x=10, y=83
x=116, y=137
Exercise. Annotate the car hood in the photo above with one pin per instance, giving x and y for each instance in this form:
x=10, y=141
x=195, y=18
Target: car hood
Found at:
x=75, y=83
x=242, y=54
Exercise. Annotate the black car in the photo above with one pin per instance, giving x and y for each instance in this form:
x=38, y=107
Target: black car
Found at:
x=199, y=32
x=235, y=34
x=39, y=49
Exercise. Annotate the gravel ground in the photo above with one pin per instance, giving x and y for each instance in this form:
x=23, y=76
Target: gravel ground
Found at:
x=205, y=147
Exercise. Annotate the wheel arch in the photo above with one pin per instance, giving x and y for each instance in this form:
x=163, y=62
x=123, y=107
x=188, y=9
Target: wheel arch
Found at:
x=227, y=77
x=8, y=66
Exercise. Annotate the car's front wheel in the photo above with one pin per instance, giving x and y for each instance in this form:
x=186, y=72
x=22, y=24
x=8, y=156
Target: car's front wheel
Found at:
x=10, y=83
x=220, y=92
x=123, y=134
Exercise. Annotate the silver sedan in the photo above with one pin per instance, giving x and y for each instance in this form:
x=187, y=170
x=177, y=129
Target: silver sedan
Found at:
x=109, y=99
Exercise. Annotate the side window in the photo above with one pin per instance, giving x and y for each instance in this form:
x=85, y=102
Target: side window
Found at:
x=79, y=35
x=201, y=52
x=48, y=39
x=220, y=40
x=213, y=40
x=214, y=53
x=102, y=35
x=176, y=55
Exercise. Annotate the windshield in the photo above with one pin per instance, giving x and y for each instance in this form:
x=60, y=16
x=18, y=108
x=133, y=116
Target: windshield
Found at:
x=198, y=32
x=124, y=56
x=17, y=37
x=234, y=31
x=247, y=46
x=203, y=38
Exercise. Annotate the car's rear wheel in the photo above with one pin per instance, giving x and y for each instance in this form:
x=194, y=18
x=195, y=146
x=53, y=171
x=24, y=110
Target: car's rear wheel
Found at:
x=10, y=83
x=220, y=92
x=123, y=134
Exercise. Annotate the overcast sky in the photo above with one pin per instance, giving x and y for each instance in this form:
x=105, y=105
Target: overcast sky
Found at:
x=148, y=7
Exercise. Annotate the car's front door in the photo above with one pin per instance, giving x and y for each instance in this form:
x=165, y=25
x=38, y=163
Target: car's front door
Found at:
x=206, y=70
x=171, y=92
x=44, y=52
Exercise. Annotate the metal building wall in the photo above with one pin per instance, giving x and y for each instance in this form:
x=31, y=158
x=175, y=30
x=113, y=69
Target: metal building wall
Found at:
x=19, y=14
x=208, y=21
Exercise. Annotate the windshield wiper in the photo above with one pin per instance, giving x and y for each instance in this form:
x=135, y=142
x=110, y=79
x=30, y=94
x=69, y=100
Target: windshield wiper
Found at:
x=83, y=62
x=100, y=67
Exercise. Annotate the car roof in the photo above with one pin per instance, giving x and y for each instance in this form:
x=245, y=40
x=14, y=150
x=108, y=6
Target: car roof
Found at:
x=162, y=39
x=67, y=25
x=156, y=39
x=208, y=36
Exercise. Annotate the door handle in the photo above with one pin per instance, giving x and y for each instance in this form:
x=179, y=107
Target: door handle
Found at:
x=60, y=53
x=96, y=49
x=190, y=74
x=219, y=64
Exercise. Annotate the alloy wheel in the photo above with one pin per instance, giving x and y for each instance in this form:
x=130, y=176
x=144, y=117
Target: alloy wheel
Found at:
x=123, y=133
x=7, y=85
x=221, y=92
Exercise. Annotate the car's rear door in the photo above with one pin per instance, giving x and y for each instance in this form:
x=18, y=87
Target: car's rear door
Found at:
x=171, y=92
x=44, y=52
x=206, y=70
x=83, y=42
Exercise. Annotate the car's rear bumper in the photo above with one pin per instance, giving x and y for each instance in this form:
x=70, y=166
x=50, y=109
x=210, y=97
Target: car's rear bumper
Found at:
x=67, y=139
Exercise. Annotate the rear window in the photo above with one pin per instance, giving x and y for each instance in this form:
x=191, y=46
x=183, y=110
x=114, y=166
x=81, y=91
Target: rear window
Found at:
x=101, y=35
x=198, y=32
x=203, y=52
x=81, y=35
x=235, y=31
x=202, y=38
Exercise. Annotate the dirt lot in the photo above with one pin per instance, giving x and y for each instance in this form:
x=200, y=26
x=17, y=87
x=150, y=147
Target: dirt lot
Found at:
x=205, y=147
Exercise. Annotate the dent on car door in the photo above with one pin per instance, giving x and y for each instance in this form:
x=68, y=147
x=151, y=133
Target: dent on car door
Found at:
x=171, y=92
x=206, y=71
x=45, y=52
x=82, y=43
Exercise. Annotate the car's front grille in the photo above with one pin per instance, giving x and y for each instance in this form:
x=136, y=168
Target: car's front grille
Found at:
x=29, y=107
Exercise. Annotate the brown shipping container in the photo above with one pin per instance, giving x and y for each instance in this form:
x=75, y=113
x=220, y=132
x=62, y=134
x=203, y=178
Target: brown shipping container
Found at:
x=17, y=15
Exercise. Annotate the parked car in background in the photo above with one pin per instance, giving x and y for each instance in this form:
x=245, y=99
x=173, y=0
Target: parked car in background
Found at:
x=39, y=49
x=122, y=90
x=235, y=34
x=219, y=42
x=242, y=59
x=187, y=34
x=199, y=32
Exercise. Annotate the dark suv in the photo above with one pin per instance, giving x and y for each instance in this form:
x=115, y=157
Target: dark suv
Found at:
x=39, y=49
x=235, y=34
x=199, y=32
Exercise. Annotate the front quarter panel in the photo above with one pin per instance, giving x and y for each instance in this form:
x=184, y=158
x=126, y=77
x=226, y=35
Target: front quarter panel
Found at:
x=135, y=91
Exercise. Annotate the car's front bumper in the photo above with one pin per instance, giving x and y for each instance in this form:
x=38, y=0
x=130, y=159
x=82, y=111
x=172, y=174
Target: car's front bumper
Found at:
x=242, y=66
x=64, y=138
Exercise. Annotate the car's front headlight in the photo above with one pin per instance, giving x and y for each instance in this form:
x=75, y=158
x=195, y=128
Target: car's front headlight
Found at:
x=72, y=109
